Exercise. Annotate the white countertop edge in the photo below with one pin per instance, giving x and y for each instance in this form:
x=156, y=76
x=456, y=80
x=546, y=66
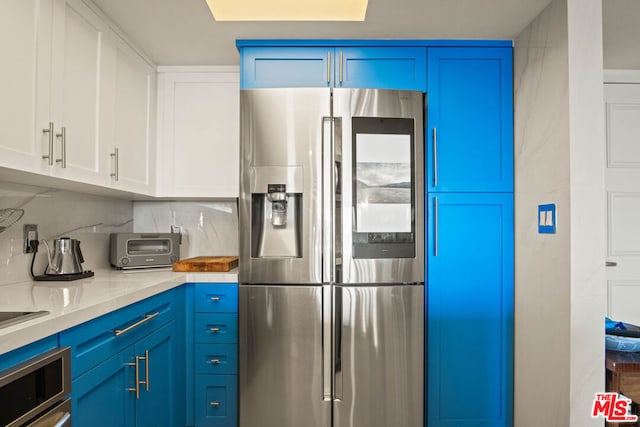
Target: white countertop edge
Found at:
x=61, y=318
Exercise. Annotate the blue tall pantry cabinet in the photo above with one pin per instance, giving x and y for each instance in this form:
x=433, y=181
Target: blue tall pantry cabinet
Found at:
x=469, y=185
x=469, y=135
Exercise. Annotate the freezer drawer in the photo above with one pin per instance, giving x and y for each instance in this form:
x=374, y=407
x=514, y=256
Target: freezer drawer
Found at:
x=281, y=357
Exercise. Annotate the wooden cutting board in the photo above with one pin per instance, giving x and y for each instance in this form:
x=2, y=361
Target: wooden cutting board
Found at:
x=207, y=264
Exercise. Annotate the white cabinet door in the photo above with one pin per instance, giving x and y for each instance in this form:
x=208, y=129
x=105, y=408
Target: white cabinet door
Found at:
x=25, y=27
x=76, y=92
x=131, y=135
x=622, y=105
x=199, y=132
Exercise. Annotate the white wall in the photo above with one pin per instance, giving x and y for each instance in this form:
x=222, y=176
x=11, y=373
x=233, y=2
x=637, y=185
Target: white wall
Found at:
x=560, y=291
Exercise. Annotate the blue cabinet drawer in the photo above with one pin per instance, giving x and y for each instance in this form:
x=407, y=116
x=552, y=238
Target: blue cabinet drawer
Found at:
x=216, y=298
x=216, y=328
x=94, y=341
x=216, y=359
x=216, y=401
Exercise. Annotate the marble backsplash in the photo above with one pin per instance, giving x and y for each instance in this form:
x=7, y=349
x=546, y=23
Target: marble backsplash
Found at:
x=208, y=227
x=58, y=213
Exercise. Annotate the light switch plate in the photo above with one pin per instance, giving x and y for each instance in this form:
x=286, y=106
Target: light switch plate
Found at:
x=547, y=219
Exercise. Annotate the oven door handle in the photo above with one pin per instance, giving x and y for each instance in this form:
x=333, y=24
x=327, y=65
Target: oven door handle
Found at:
x=64, y=421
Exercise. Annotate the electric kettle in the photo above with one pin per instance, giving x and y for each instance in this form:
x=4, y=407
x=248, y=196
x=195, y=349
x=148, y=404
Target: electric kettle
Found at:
x=66, y=258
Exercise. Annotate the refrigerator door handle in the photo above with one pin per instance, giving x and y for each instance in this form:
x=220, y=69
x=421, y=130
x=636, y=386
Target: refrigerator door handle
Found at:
x=337, y=344
x=327, y=201
x=337, y=199
x=327, y=342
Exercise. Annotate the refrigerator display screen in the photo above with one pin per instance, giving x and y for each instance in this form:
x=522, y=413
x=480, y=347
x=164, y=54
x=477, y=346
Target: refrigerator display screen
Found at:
x=383, y=188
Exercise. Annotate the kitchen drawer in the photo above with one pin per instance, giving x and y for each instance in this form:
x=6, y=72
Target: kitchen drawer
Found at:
x=94, y=341
x=216, y=298
x=216, y=328
x=216, y=359
x=216, y=401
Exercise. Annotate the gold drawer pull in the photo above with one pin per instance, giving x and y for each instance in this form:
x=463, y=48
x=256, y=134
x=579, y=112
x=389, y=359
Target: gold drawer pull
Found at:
x=215, y=330
x=215, y=298
x=215, y=403
x=216, y=361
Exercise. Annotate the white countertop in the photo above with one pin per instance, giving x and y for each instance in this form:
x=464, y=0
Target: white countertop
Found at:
x=73, y=303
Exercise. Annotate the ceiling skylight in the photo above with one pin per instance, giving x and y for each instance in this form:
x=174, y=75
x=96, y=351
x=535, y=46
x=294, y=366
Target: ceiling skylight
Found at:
x=288, y=10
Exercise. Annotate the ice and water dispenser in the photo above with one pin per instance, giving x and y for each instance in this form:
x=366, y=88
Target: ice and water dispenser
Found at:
x=276, y=211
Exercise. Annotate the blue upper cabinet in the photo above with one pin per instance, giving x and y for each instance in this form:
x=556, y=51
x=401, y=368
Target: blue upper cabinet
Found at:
x=381, y=67
x=286, y=67
x=469, y=130
x=315, y=66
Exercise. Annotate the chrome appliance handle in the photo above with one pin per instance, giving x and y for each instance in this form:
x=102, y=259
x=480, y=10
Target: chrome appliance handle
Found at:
x=328, y=271
x=337, y=201
x=66, y=418
x=435, y=157
x=148, y=317
x=435, y=226
x=63, y=147
x=327, y=341
x=337, y=344
x=50, y=155
x=116, y=156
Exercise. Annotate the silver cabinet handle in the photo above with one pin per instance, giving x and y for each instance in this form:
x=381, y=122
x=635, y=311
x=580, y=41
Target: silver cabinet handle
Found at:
x=435, y=157
x=50, y=155
x=215, y=403
x=340, y=67
x=329, y=67
x=136, y=389
x=148, y=317
x=435, y=226
x=610, y=264
x=215, y=330
x=146, y=369
x=215, y=298
x=215, y=361
x=63, y=147
x=116, y=156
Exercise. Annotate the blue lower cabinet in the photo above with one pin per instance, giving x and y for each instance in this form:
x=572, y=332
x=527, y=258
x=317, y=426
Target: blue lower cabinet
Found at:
x=216, y=400
x=101, y=396
x=214, y=364
x=159, y=395
x=130, y=365
x=107, y=395
x=470, y=310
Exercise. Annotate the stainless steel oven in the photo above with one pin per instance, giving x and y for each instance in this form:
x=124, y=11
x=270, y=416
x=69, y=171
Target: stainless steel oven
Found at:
x=34, y=392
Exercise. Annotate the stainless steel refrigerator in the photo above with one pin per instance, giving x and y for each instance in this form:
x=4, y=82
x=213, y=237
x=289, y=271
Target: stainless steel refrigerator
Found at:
x=331, y=304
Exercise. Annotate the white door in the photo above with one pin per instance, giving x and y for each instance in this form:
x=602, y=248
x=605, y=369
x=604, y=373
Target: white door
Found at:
x=622, y=102
x=132, y=157
x=25, y=27
x=78, y=40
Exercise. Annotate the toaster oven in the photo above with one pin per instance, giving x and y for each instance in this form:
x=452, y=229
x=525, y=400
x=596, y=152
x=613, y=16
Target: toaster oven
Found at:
x=143, y=250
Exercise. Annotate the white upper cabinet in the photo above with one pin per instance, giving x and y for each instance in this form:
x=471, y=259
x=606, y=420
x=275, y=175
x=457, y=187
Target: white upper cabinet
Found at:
x=131, y=138
x=25, y=27
x=77, y=106
x=198, y=141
